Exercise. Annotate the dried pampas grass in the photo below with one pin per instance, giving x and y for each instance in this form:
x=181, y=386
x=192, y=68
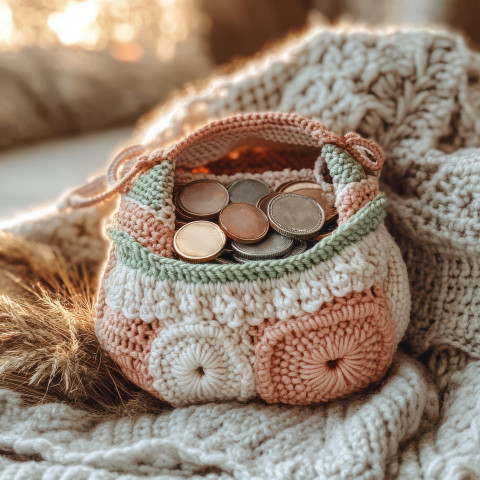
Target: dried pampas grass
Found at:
x=48, y=348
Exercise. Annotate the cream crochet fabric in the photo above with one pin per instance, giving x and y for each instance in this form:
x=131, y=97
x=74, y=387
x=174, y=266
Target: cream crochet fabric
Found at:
x=417, y=95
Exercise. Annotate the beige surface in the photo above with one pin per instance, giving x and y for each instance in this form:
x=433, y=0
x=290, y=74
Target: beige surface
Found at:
x=35, y=174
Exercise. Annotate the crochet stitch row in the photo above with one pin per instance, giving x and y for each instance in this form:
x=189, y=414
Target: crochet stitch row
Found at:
x=358, y=266
x=308, y=328
x=132, y=253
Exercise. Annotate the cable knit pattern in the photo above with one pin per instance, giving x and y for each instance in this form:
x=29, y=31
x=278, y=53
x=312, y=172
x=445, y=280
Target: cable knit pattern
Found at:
x=439, y=214
x=417, y=94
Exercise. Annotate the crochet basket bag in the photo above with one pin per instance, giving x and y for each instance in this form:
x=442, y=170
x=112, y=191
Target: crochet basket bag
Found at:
x=309, y=328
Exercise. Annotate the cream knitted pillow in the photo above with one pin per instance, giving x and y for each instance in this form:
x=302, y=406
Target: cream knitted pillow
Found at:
x=305, y=329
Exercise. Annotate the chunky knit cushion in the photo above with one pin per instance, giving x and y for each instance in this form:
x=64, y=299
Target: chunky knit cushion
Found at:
x=309, y=328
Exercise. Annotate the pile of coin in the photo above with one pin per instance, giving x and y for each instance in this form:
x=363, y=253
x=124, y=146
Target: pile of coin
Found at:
x=246, y=221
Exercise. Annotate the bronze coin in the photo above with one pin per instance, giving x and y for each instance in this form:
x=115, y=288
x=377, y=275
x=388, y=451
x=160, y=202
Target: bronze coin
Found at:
x=319, y=196
x=247, y=190
x=228, y=247
x=243, y=222
x=282, y=186
x=295, y=216
x=202, y=199
x=181, y=215
x=199, y=241
x=262, y=204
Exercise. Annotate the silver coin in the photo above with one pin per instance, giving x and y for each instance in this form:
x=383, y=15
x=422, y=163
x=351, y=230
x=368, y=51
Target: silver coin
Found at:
x=239, y=259
x=299, y=247
x=295, y=216
x=247, y=190
x=273, y=245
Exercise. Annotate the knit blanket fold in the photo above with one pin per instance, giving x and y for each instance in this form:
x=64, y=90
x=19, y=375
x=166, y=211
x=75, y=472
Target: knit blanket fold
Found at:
x=417, y=94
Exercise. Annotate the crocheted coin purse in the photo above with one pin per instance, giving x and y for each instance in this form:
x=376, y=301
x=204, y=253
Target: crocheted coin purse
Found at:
x=309, y=328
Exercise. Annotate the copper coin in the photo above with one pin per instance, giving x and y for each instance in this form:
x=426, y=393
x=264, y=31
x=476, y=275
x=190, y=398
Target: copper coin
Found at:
x=295, y=216
x=319, y=196
x=202, y=199
x=262, y=204
x=247, y=190
x=243, y=222
x=272, y=246
x=199, y=241
x=282, y=186
x=181, y=215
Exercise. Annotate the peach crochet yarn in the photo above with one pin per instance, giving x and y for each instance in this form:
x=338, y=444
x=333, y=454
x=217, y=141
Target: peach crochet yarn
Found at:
x=310, y=328
x=316, y=358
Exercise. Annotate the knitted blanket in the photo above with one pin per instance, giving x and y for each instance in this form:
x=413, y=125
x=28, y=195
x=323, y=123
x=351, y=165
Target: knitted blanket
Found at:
x=415, y=93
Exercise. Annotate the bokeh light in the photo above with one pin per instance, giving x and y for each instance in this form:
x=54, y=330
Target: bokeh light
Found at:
x=126, y=28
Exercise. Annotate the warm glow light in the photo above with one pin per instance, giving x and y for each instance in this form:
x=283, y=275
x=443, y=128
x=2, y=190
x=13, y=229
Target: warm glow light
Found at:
x=76, y=24
x=128, y=30
x=127, y=52
x=167, y=3
x=165, y=50
x=6, y=23
x=123, y=32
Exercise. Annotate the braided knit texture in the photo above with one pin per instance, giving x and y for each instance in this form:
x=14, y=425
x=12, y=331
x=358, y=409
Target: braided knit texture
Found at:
x=416, y=93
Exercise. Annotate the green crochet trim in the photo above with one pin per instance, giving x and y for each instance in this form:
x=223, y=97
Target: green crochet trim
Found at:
x=132, y=254
x=343, y=168
x=154, y=187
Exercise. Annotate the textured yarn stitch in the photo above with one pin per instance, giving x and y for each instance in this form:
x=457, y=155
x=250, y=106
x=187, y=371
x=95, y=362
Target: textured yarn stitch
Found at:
x=343, y=168
x=349, y=342
x=155, y=187
x=137, y=294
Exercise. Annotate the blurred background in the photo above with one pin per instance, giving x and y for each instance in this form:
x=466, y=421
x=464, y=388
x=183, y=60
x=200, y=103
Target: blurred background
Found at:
x=76, y=75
